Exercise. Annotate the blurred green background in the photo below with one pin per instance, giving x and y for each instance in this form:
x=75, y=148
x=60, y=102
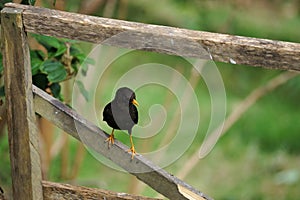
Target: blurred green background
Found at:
x=257, y=158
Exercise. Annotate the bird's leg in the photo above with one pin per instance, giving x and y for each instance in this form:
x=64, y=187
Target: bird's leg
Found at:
x=132, y=150
x=111, y=138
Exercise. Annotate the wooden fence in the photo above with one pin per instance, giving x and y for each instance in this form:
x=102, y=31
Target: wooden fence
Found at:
x=23, y=99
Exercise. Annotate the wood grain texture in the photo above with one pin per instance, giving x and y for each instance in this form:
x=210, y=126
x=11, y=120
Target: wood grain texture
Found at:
x=22, y=130
x=95, y=138
x=53, y=191
x=175, y=41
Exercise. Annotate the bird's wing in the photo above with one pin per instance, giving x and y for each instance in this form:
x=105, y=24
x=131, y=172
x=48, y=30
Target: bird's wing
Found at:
x=134, y=115
x=106, y=112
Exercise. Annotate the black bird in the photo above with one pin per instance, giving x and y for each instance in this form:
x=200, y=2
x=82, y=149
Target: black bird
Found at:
x=122, y=114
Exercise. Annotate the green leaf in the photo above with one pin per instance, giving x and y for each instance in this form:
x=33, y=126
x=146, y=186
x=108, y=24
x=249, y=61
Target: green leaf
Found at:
x=62, y=49
x=37, y=54
x=55, y=71
x=90, y=61
x=82, y=90
x=83, y=69
x=57, y=76
x=84, y=66
x=55, y=47
x=50, y=66
x=83, y=60
x=35, y=66
x=80, y=56
x=74, y=50
x=48, y=42
x=37, y=58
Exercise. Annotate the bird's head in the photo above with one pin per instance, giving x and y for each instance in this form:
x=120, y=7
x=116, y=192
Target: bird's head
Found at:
x=126, y=96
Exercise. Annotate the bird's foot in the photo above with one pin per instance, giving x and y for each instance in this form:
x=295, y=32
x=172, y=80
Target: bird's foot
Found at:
x=110, y=140
x=133, y=152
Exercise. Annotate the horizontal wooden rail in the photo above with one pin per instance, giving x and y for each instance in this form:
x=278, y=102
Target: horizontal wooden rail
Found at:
x=182, y=42
x=70, y=192
x=95, y=138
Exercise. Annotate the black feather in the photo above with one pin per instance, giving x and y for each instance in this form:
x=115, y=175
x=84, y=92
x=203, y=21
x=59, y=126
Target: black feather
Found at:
x=121, y=113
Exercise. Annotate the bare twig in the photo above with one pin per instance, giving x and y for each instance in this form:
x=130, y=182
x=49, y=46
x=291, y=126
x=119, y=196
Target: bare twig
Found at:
x=234, y=116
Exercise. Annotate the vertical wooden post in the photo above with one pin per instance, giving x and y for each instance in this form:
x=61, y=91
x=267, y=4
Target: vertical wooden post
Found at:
x=21, y=120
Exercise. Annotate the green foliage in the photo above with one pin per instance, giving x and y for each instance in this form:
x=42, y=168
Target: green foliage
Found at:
x=60, y=62
x=55, y=71
x=37, y=58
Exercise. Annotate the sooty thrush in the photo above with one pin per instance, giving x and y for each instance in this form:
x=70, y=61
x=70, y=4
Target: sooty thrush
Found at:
x=122, y=114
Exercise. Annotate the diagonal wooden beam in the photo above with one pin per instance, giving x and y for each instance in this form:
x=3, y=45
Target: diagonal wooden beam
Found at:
x=182, y=42
x=95, y=138
x=21, y=121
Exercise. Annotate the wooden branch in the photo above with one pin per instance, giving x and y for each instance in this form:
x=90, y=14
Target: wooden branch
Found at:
x=187, y=43
x=22, y=130
x=93, y=137
x=69, y=192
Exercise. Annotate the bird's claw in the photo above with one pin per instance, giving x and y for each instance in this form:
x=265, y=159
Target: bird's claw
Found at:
x=110, y=140
x=133, y=152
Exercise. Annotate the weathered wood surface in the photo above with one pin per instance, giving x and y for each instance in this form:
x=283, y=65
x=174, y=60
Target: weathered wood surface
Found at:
x=54, y=191
x=93, y=137
x=188, y=43
x=22, y=130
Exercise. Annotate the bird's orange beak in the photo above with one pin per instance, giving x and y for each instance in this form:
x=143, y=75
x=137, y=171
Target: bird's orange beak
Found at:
x=135, y=102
